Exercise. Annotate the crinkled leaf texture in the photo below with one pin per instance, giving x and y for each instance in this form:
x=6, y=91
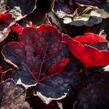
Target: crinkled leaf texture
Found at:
x=87, y=54
x=41, y=58
x=12, y=96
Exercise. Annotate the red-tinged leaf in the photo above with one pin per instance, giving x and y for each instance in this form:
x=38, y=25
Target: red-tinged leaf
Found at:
x=90, y=38
x=57, y=86
x=5, y=20
x=58, y=67
x=4, y=17
x=16, y=28
x=41, y=59
x=39, y=48
x=88, y=55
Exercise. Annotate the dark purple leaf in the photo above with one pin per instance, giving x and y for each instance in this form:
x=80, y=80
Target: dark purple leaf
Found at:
x=41, y=58
x=39, y=49
x=26, y=6
x=59, y=85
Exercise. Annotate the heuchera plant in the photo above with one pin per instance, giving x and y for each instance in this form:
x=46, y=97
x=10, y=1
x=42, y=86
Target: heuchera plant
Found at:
x=44, y=63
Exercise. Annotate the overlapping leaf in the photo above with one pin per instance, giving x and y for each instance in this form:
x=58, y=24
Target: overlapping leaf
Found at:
x=89, y=55
x=41, y=49
x=80, y=13
x=39, y=56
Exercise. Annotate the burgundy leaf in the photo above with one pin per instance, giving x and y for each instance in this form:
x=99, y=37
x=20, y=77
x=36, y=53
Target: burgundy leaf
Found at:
x=40, y=56
x=41, y=49
x=55, y=86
